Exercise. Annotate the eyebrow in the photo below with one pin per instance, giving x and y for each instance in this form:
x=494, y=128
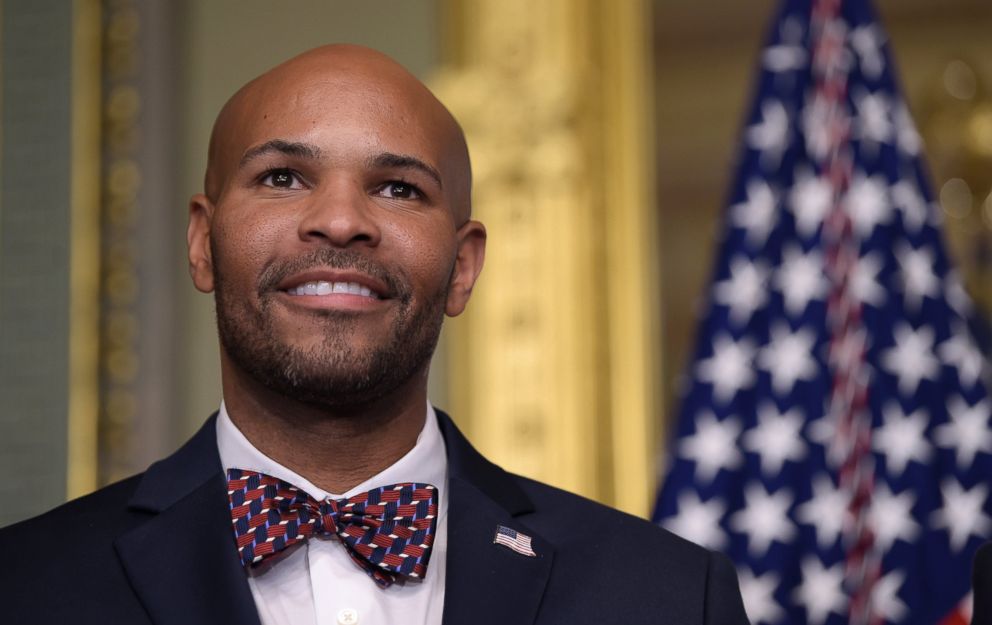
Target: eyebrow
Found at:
x=312, y=152
x=289, y=148
x=403, y=161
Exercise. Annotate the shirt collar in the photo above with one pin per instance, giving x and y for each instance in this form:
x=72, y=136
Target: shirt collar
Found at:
x=426, y=462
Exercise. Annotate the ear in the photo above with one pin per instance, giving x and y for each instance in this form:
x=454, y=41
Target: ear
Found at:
x=468, y=264
x=201, y=262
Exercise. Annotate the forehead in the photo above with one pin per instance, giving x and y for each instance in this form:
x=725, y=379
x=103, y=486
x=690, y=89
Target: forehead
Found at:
x=342, y=116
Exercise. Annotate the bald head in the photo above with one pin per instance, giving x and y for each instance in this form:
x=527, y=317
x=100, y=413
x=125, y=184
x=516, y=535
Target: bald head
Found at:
x=334, y=234
x=327, y=84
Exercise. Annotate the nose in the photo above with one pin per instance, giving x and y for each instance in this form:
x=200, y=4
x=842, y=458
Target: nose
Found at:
x=339, y=213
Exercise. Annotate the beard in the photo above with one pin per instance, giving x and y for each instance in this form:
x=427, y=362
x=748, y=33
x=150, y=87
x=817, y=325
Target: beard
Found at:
x=333, y=372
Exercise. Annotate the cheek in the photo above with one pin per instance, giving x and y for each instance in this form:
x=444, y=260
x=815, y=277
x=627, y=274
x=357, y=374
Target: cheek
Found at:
x=427, y=252
x=243, y=246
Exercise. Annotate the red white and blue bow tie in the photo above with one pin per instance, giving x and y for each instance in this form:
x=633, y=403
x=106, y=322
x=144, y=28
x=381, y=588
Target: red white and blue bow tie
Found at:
x=388, y=531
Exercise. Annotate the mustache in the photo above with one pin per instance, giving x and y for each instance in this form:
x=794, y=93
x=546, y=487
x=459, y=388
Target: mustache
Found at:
x=275, y=273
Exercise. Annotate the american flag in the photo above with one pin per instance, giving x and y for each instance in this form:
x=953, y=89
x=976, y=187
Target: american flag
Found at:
x=834, y=434
x=514, y=540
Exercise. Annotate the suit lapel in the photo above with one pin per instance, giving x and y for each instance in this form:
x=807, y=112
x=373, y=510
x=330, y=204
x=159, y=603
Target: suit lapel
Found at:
x=182, y=561
x=487, y=583
x=184, y=567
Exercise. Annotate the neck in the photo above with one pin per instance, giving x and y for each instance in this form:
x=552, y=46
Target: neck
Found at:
x=335, y=448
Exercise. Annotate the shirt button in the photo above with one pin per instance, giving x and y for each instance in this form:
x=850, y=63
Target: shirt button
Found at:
x=348, y=616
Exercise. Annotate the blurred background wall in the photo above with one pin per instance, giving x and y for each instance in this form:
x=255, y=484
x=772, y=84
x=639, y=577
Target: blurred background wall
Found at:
x=602, y=134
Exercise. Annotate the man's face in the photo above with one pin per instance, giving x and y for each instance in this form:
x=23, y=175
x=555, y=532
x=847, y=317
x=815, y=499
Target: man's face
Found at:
x=332, y=243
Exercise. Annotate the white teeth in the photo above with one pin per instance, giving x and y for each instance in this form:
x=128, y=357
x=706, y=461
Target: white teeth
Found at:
x=322, y=287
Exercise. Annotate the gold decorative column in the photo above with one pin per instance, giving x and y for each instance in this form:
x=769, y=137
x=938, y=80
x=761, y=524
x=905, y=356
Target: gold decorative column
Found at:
x=84, y=270
x=553, y=369
x=120, y=254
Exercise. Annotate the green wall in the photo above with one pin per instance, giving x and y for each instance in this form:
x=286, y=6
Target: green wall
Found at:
x=35, y=48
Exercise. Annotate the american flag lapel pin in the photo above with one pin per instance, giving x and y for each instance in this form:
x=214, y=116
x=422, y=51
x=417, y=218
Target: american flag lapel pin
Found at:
x=514, y=540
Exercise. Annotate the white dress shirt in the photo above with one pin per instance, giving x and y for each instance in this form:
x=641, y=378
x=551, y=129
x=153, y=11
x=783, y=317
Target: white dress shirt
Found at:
x=318, y=583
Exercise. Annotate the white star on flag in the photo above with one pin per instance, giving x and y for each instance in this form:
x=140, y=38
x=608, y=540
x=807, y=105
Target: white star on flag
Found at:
x=788, y=357
x=962, y=514
x=745, y=291
x=915, y=209
x=801, y=279
x=789, y=55
x=863, y=282
x=764, y=519
x=885, y=601
x=699, y=521
x=825, y=510
x=874, y=118
x=729, y=369
x=771, y=135
x=867, y=44
x=850, y=349
x=959, y=351
x=918, y=278
x=816, y=125
x=824, y=432
x=892, y=517
x=867, y=203
x=758, y=594
x=835, y=58
x=956, y=295
x=756, y=215
x=776, y=438
x=907, y=137
x=810, y=200
x=902, y=438
x=713, y=446
x=821, y=591
x=967, y=432
x=911, y=359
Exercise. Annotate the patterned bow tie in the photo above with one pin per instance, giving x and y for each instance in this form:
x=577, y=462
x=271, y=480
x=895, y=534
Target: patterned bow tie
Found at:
x=388, y=531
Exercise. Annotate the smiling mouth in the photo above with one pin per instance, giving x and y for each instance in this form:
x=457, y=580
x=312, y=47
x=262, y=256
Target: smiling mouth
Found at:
x=324, y=287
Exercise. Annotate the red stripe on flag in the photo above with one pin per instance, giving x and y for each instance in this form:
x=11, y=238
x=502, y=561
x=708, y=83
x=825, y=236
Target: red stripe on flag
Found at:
x=961, y=614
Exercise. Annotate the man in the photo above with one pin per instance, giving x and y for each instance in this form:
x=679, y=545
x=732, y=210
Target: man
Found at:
x=981, y=586
x=334, y=231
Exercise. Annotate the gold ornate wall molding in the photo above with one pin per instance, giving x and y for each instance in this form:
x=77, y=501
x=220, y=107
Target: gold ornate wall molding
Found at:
x=553, y=369
x=84, y=244
x=121, y=183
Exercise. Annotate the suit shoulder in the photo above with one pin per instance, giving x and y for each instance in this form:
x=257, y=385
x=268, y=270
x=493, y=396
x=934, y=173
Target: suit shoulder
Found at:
x=71, y=548
x=99, y=511
x=556, y=509
x=607, y=558
x=981, y=582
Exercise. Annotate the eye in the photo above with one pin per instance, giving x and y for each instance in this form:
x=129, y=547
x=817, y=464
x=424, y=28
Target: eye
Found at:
x=282, y=179
x=399, y=190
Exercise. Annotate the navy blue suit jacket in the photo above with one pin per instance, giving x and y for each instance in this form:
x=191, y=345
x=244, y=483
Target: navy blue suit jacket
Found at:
x=157, y=548
x=981, y=585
